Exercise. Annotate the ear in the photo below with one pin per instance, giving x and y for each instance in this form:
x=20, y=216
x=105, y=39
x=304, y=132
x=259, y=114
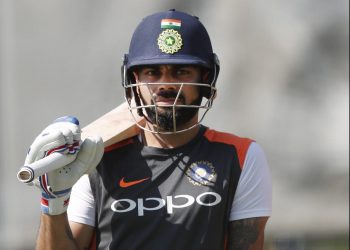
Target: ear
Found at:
x=205, y=76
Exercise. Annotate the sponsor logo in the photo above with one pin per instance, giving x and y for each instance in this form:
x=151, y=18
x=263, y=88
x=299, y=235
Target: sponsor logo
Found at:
x=201, y=173
x=207, y=199
x=125, y=184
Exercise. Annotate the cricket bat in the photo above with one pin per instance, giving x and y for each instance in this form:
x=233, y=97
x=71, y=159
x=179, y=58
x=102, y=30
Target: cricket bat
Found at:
x=114, y=126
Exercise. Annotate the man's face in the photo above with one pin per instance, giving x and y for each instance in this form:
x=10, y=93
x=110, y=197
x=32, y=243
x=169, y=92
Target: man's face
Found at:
x=164, y=88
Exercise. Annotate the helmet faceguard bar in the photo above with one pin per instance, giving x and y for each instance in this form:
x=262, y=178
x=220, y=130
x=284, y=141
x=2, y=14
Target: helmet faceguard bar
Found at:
x=139, y=108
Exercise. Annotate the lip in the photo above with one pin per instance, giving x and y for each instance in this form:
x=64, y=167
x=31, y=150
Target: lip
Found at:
x=165, y=101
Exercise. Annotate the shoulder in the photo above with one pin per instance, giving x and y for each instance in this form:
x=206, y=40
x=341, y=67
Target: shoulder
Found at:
x=253, y=197
x=255, y=159
x=227, y=138
x=119, y=145
x=241, y=144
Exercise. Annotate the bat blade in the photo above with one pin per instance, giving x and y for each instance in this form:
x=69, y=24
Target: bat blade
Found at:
x=113, y=127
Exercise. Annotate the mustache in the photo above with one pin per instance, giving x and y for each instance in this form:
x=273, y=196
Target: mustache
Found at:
x=168, y=94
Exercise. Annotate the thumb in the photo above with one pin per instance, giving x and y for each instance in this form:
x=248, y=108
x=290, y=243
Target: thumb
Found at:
x=91, y=153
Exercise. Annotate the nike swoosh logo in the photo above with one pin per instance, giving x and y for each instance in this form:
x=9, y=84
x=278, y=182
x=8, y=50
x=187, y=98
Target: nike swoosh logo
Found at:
x=125, y=184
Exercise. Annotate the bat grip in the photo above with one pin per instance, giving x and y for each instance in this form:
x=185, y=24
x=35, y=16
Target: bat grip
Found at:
x=47, y=164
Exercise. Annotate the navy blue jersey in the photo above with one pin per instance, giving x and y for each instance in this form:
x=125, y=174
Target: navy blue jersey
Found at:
x=154, y=198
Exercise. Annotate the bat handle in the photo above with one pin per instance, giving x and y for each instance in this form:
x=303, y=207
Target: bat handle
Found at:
x=52, y=162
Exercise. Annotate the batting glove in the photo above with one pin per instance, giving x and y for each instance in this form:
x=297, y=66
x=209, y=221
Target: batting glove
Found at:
x=63, y=136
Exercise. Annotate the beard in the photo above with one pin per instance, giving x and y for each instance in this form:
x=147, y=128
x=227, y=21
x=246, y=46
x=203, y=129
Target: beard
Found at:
x=165, y=120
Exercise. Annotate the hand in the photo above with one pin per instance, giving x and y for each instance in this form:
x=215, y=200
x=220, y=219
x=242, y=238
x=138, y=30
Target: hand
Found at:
x=63, y=136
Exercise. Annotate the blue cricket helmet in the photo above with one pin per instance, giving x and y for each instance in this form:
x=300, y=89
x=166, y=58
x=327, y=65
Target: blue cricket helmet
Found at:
x=171, y=37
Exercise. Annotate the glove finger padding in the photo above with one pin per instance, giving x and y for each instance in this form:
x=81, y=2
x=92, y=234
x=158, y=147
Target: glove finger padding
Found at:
x=61, y=136
x=61, y=180
x=43, y=144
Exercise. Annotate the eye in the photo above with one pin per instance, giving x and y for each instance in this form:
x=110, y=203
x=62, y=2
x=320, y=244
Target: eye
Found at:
x=183, y=71
x=148, y=74
x=152, y=72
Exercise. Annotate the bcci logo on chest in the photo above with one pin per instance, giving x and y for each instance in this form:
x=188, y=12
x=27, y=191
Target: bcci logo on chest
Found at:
x=201, y=173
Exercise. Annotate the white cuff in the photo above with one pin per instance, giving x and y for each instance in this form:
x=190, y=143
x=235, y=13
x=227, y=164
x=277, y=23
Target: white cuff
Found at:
x=55, y=206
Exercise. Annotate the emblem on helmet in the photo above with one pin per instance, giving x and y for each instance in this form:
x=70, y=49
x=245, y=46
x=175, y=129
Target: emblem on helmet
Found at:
x=170, y=41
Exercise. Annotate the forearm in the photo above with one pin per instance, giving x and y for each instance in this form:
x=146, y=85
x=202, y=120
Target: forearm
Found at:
x=247, y=234
x=55, y=233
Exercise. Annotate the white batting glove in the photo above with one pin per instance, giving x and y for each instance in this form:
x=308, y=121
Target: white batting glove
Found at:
x=63, y=136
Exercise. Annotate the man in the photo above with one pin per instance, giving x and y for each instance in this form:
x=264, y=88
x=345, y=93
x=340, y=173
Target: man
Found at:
x=178, y=184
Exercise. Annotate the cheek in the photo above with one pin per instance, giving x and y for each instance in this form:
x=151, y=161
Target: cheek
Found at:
x=191, y=93
x=145, y=92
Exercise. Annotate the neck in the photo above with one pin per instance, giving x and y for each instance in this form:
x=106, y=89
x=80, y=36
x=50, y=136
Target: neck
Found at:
x=169, y=140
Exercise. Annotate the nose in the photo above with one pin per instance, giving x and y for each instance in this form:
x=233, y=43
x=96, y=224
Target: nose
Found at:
x=167, y=82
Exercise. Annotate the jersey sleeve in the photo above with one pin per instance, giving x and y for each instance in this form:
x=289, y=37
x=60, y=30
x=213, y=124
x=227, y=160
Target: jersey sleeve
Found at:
x=81, y=207
x=253, y=197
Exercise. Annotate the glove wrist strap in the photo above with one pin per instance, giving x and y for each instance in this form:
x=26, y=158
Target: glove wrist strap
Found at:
x=54, y=206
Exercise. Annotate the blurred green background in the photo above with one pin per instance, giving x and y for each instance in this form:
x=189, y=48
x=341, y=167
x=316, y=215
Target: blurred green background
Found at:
x=284, y=82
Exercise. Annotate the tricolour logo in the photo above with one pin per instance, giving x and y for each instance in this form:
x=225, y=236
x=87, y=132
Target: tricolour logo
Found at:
x=170, y=24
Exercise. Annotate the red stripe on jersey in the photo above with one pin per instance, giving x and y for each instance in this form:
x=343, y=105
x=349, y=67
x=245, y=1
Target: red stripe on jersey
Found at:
x=119, y=145
x=241, y=144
